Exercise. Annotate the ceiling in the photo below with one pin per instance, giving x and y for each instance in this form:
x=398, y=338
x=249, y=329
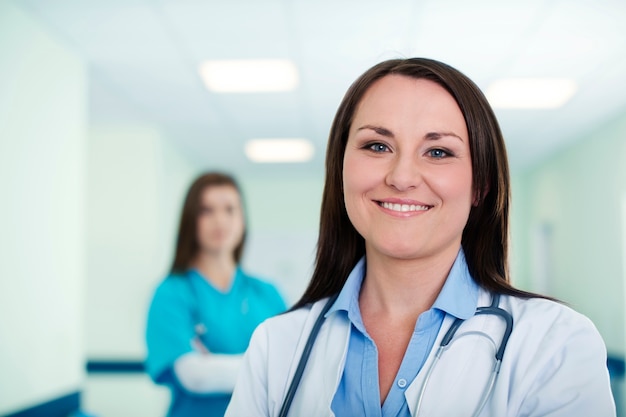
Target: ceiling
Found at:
x=143, y=58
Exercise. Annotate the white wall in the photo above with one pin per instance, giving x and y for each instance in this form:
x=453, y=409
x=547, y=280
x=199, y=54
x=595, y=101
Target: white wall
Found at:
x=42, y=166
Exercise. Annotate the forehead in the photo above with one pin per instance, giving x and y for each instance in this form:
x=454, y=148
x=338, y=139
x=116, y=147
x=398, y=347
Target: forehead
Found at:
x=224, y=193
x=399, y=97
x=394, y=88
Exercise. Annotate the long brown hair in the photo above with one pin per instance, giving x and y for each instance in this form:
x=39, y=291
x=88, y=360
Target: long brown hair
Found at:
x=187, y=242
x=485, y=236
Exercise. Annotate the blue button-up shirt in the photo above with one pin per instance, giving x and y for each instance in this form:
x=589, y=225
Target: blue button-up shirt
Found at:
x=358, y=392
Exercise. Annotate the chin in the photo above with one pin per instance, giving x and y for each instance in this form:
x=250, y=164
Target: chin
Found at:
x=403, y=252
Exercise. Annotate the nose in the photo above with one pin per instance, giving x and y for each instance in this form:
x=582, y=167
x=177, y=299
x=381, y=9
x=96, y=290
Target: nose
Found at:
x=224, y=218
x=404, y=173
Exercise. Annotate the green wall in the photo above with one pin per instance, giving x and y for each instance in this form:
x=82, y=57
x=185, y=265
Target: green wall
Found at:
x=573, y=207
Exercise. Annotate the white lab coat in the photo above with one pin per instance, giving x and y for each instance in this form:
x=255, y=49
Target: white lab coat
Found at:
x=554, y=365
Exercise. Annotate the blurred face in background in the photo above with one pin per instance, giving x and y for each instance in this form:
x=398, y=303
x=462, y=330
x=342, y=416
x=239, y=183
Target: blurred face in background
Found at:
x=220, y=224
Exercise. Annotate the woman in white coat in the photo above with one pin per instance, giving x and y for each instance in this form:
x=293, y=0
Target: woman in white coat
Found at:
x=413, y=243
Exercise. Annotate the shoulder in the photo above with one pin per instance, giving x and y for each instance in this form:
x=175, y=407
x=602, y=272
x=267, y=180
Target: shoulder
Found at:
x=173, y=282
x=286, y=322
x=556, y=360
x=275, y=342
x=280, y=328
x=259, y=284
x=253, y=279
x=173, y=286
x=279, y=340
x=551, y=329
x=546, y=314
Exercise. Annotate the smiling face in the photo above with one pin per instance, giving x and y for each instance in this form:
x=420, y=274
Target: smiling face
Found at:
x=407, y=169
x=220, y=224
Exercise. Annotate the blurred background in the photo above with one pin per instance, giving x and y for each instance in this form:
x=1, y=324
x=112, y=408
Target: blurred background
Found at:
x=108, y=110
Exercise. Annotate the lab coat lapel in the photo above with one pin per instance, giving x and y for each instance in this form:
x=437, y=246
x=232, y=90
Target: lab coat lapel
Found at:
x=323, y=371
x=459, y=378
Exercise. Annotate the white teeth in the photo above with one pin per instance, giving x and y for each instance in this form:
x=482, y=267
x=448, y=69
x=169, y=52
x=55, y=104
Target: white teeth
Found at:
x=404, y=207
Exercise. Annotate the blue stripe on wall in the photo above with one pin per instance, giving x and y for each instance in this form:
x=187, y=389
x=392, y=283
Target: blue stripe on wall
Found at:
x=58, y=407
x=115, y=367
x=616, y=366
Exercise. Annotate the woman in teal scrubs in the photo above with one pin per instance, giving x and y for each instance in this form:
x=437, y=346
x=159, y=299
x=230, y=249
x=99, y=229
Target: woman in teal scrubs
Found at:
x=203, y=313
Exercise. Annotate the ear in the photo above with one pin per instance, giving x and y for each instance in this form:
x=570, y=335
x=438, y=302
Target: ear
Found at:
x=479, y=196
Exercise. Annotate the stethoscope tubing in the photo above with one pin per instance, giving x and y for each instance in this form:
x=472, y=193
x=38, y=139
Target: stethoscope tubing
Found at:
x=305, y=357
x=492, y=309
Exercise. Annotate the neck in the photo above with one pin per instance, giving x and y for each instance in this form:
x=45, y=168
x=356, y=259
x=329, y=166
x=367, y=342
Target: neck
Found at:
x=218, y=269
x=404, y=288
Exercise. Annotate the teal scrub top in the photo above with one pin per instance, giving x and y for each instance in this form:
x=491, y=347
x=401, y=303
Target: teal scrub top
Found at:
x=180, y=302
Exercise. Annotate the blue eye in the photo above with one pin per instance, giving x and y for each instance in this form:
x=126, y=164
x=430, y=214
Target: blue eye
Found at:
x=378, y=147
x=438, y=153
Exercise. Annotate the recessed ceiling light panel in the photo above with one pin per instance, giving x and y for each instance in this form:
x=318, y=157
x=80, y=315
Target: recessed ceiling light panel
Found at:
x=249, y=76
x=530, y=93
x=279, y=150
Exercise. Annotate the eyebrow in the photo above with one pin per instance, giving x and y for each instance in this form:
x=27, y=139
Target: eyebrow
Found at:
x=429, y=136
x=439, y=135
x=380, y=130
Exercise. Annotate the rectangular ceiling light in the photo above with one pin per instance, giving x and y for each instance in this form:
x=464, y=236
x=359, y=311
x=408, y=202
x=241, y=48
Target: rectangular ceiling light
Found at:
x=530, y=93
x=249, y=76
x=279, y=150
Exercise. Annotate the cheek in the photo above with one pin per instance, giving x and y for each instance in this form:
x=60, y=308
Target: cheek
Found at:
x=203, y=230
x=456, y=189
x=357, y=182
x=238, y=226
x=201, y=224
x=357, y=175
x=352, y=183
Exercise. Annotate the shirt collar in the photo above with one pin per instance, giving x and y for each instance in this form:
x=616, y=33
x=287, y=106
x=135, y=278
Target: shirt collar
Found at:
x=458, y=297
x=348, y=298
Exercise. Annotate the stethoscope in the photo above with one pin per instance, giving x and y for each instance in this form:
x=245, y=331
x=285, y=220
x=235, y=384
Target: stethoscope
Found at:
x=448, y=338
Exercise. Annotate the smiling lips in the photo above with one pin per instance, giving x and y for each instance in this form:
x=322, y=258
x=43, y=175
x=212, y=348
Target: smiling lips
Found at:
x=403, y=208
